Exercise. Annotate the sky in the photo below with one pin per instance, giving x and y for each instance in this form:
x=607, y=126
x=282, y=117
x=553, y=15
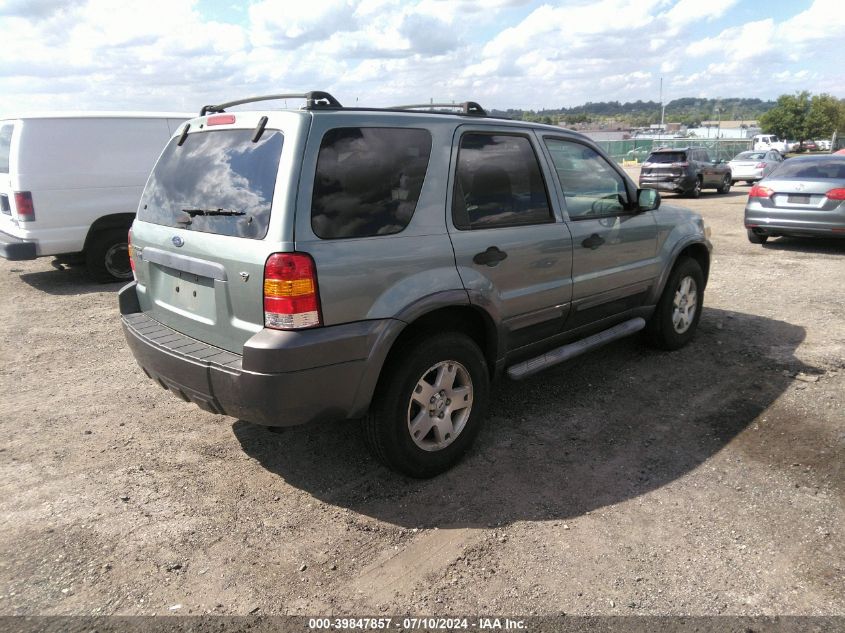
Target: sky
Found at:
x=177, y=55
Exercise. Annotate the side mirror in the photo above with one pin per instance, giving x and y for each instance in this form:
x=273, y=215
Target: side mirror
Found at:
x=648, y=199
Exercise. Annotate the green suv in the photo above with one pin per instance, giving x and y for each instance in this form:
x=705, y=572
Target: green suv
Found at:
x=387, y=264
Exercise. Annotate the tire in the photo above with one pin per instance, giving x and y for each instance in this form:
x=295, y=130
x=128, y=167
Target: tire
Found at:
x=749, y=182
x=676, y=317
x=726, y=185
x=107, y=256
x=756, y=238
x=407, y=379
x=695, y=192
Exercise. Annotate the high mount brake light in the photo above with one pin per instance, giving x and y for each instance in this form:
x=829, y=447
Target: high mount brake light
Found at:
x=220, y=119
x=290, y=292
x=758, y=191
x=24, y=206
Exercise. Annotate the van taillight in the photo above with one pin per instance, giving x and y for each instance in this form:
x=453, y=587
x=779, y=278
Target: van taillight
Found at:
x=131, y=254
x=24, y=206
x=290, y=292
x=758, y=191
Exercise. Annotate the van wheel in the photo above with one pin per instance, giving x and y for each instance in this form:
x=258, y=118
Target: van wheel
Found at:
x=429, y=404
x=676, y=316
x=107, y=256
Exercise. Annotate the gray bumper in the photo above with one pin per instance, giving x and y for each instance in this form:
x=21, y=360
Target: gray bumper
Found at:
x=275, y=382
x=15, y=249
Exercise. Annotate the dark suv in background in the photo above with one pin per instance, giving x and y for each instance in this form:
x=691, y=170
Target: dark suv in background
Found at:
x=685, y=170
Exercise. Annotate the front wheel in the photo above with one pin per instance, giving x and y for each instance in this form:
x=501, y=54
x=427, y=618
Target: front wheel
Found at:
x=676, y=316
x=429, y=405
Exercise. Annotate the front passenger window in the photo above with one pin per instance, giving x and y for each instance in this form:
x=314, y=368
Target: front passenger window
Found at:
x=591, y=187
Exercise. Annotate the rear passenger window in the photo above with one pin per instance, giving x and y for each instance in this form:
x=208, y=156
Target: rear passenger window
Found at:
x=368, y=181
x=5, y=146
x=498, y=183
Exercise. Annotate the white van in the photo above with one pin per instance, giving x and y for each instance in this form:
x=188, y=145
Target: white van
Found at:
x=70, y=184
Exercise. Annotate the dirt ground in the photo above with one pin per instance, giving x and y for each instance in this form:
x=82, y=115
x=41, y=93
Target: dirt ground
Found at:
x=628, y=481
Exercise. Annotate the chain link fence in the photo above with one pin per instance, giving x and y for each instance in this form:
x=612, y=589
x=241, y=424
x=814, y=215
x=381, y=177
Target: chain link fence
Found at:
x=639, y=149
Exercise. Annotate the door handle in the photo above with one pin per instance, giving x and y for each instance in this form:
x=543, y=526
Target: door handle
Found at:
x=491, y=257
x=593, y=242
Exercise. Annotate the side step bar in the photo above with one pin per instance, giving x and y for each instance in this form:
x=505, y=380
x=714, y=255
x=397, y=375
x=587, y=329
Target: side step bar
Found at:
x=561, y=354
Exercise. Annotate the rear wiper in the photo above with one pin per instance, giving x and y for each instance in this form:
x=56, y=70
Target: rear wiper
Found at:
x=217, y=211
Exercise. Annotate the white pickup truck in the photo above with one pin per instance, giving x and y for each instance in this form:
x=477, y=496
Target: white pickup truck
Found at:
x=763, y=142
x=70, y=184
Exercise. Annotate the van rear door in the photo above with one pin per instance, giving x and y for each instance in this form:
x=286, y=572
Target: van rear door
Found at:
x=6, y=192
x=215, y=207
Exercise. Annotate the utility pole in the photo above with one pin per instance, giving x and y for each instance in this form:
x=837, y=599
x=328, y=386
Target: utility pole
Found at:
x=662, y=108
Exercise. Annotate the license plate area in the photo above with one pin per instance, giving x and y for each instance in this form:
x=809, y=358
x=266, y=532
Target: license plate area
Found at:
x=798, y=198
x=184, y=293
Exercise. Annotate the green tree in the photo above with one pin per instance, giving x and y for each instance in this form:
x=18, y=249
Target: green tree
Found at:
x=788, y=119
x=826, y=115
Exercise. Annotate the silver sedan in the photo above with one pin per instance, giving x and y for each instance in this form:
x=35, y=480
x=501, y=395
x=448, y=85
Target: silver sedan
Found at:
x=805, y=196
x=754, y=165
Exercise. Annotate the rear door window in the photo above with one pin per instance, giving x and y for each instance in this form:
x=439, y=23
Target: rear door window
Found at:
x=215, y=182
x=498, y=183
x=368, y=181
x=5, y=146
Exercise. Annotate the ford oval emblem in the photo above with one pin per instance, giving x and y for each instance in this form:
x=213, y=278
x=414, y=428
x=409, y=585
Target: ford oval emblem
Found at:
x=177, y=241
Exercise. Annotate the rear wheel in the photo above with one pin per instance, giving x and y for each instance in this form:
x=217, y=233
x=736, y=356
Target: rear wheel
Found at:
x=756, y=238
x=726, y=185
x=676, y=316
x=107, y=256
x=429, y=405
x=695, y=192
x=749, y=182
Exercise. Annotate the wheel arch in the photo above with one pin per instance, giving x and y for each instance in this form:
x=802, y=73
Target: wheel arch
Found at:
x=447, y=311
x=107, y=222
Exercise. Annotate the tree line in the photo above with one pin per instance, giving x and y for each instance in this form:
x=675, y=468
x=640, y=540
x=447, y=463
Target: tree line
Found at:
x=804, y=116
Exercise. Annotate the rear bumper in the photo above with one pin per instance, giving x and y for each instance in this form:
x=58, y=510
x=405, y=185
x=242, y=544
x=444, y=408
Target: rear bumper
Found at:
x=766, y=220
x=15, y=249
x=275, y=382
x=667, y=183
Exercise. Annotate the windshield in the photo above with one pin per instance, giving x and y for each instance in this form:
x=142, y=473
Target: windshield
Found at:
x=215, y=182
x=667, y=157
x=5, y=146
x=750, y=156
x=821, y=167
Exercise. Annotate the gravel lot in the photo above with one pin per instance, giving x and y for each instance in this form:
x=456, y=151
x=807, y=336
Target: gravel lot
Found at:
x=628, y=481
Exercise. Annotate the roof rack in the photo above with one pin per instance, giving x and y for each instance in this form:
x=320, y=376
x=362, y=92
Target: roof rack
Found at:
x=467, y=107
x=313, y=99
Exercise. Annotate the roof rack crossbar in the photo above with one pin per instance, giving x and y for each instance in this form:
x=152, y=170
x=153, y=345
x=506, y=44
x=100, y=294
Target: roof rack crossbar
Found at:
x=313, y=99
x=468, y=107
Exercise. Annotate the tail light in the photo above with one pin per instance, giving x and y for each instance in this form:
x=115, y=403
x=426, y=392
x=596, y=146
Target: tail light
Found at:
x=758, y=191
x=131, y=254
x=836, y=194
x=24, y=206
x=290, y=292
x=760, y=166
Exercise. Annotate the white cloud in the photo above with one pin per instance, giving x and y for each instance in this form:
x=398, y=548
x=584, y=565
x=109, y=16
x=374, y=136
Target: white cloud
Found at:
x=163, y=54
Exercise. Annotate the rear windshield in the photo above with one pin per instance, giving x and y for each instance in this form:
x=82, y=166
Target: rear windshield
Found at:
x=750, y=156
x=812, y=168
x=5, y=147
x=666, y=157
x=216, y=182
